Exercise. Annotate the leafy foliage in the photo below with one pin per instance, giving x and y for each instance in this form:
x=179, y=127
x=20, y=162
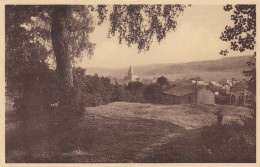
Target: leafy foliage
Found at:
x=78, y=24
x=251, y=73
x=242, y=37
x=119, y=92
x=93, y=90
x=229, y=143
x=163, y=81
x=134, y=92
x=35, y=21
x=41, y=119
x=153, y=93
x=29, y=38
x=25, y=53
x=36, y=34
x=140, y=24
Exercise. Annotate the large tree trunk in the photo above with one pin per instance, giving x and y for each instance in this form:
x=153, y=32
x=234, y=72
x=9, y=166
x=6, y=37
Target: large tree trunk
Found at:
x=61, y=52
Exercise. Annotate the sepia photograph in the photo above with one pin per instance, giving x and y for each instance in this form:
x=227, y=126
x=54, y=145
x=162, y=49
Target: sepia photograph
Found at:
x=130, y=83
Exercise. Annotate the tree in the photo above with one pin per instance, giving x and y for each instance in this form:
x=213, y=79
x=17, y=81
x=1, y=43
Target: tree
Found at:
x=69, y=35
x=63, y=32
x=134, y=92
x=119, y=92
x=92, y=90
x=153, y=93
x=162, y=81
x=242, y=37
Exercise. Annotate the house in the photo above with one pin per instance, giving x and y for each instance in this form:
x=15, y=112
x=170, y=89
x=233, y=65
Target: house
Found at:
x=229, y=82
x=193, y=94
x=227, y=88
x=205, y=95
x=200, y=83
x=237, y=93
x=217, y=88
x=180, y=95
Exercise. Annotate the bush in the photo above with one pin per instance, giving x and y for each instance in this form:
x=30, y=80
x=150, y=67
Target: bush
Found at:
x=43, y=128
x=230, y=143
x=32, y=111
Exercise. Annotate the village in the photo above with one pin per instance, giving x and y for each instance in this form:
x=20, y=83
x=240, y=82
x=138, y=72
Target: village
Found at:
x=195, y=90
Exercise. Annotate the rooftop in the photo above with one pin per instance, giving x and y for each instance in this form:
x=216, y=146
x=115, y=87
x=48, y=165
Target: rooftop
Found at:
x=238, y=87
x=180, y=91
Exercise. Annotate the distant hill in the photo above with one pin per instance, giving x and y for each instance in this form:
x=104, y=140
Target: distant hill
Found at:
x=208, y=70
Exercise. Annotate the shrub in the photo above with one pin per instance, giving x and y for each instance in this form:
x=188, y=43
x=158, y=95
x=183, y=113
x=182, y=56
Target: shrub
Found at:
x=43, y=128
x=229, y=143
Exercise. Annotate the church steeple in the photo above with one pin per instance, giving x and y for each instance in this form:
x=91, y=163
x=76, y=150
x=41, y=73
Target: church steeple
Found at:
x=130, y=73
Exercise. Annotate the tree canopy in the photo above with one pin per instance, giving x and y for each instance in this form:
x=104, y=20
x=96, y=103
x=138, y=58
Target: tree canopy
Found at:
x=242, y=34
x=242, y=37
x=163, y=81
x=136, y=24
x=36, y=34
x=139, y=24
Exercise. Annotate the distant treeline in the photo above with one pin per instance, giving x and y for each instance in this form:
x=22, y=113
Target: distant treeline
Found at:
x=90, y=90
x=95, y=90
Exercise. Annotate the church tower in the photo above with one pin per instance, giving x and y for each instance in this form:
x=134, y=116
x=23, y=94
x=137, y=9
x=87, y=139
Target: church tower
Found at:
x=130, y=73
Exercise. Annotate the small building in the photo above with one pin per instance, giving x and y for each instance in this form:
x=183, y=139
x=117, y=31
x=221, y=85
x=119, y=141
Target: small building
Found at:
x=237, y=93
x=229, y=82
x=180, y=95
x=193, y=94
x=205, y=95
x=227, y=88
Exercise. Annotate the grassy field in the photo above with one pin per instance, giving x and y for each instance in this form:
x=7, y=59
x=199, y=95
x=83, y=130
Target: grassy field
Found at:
x=134, y=132
x=188, y=116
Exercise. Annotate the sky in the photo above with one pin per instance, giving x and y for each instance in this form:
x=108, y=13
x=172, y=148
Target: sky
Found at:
x=196, y=38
